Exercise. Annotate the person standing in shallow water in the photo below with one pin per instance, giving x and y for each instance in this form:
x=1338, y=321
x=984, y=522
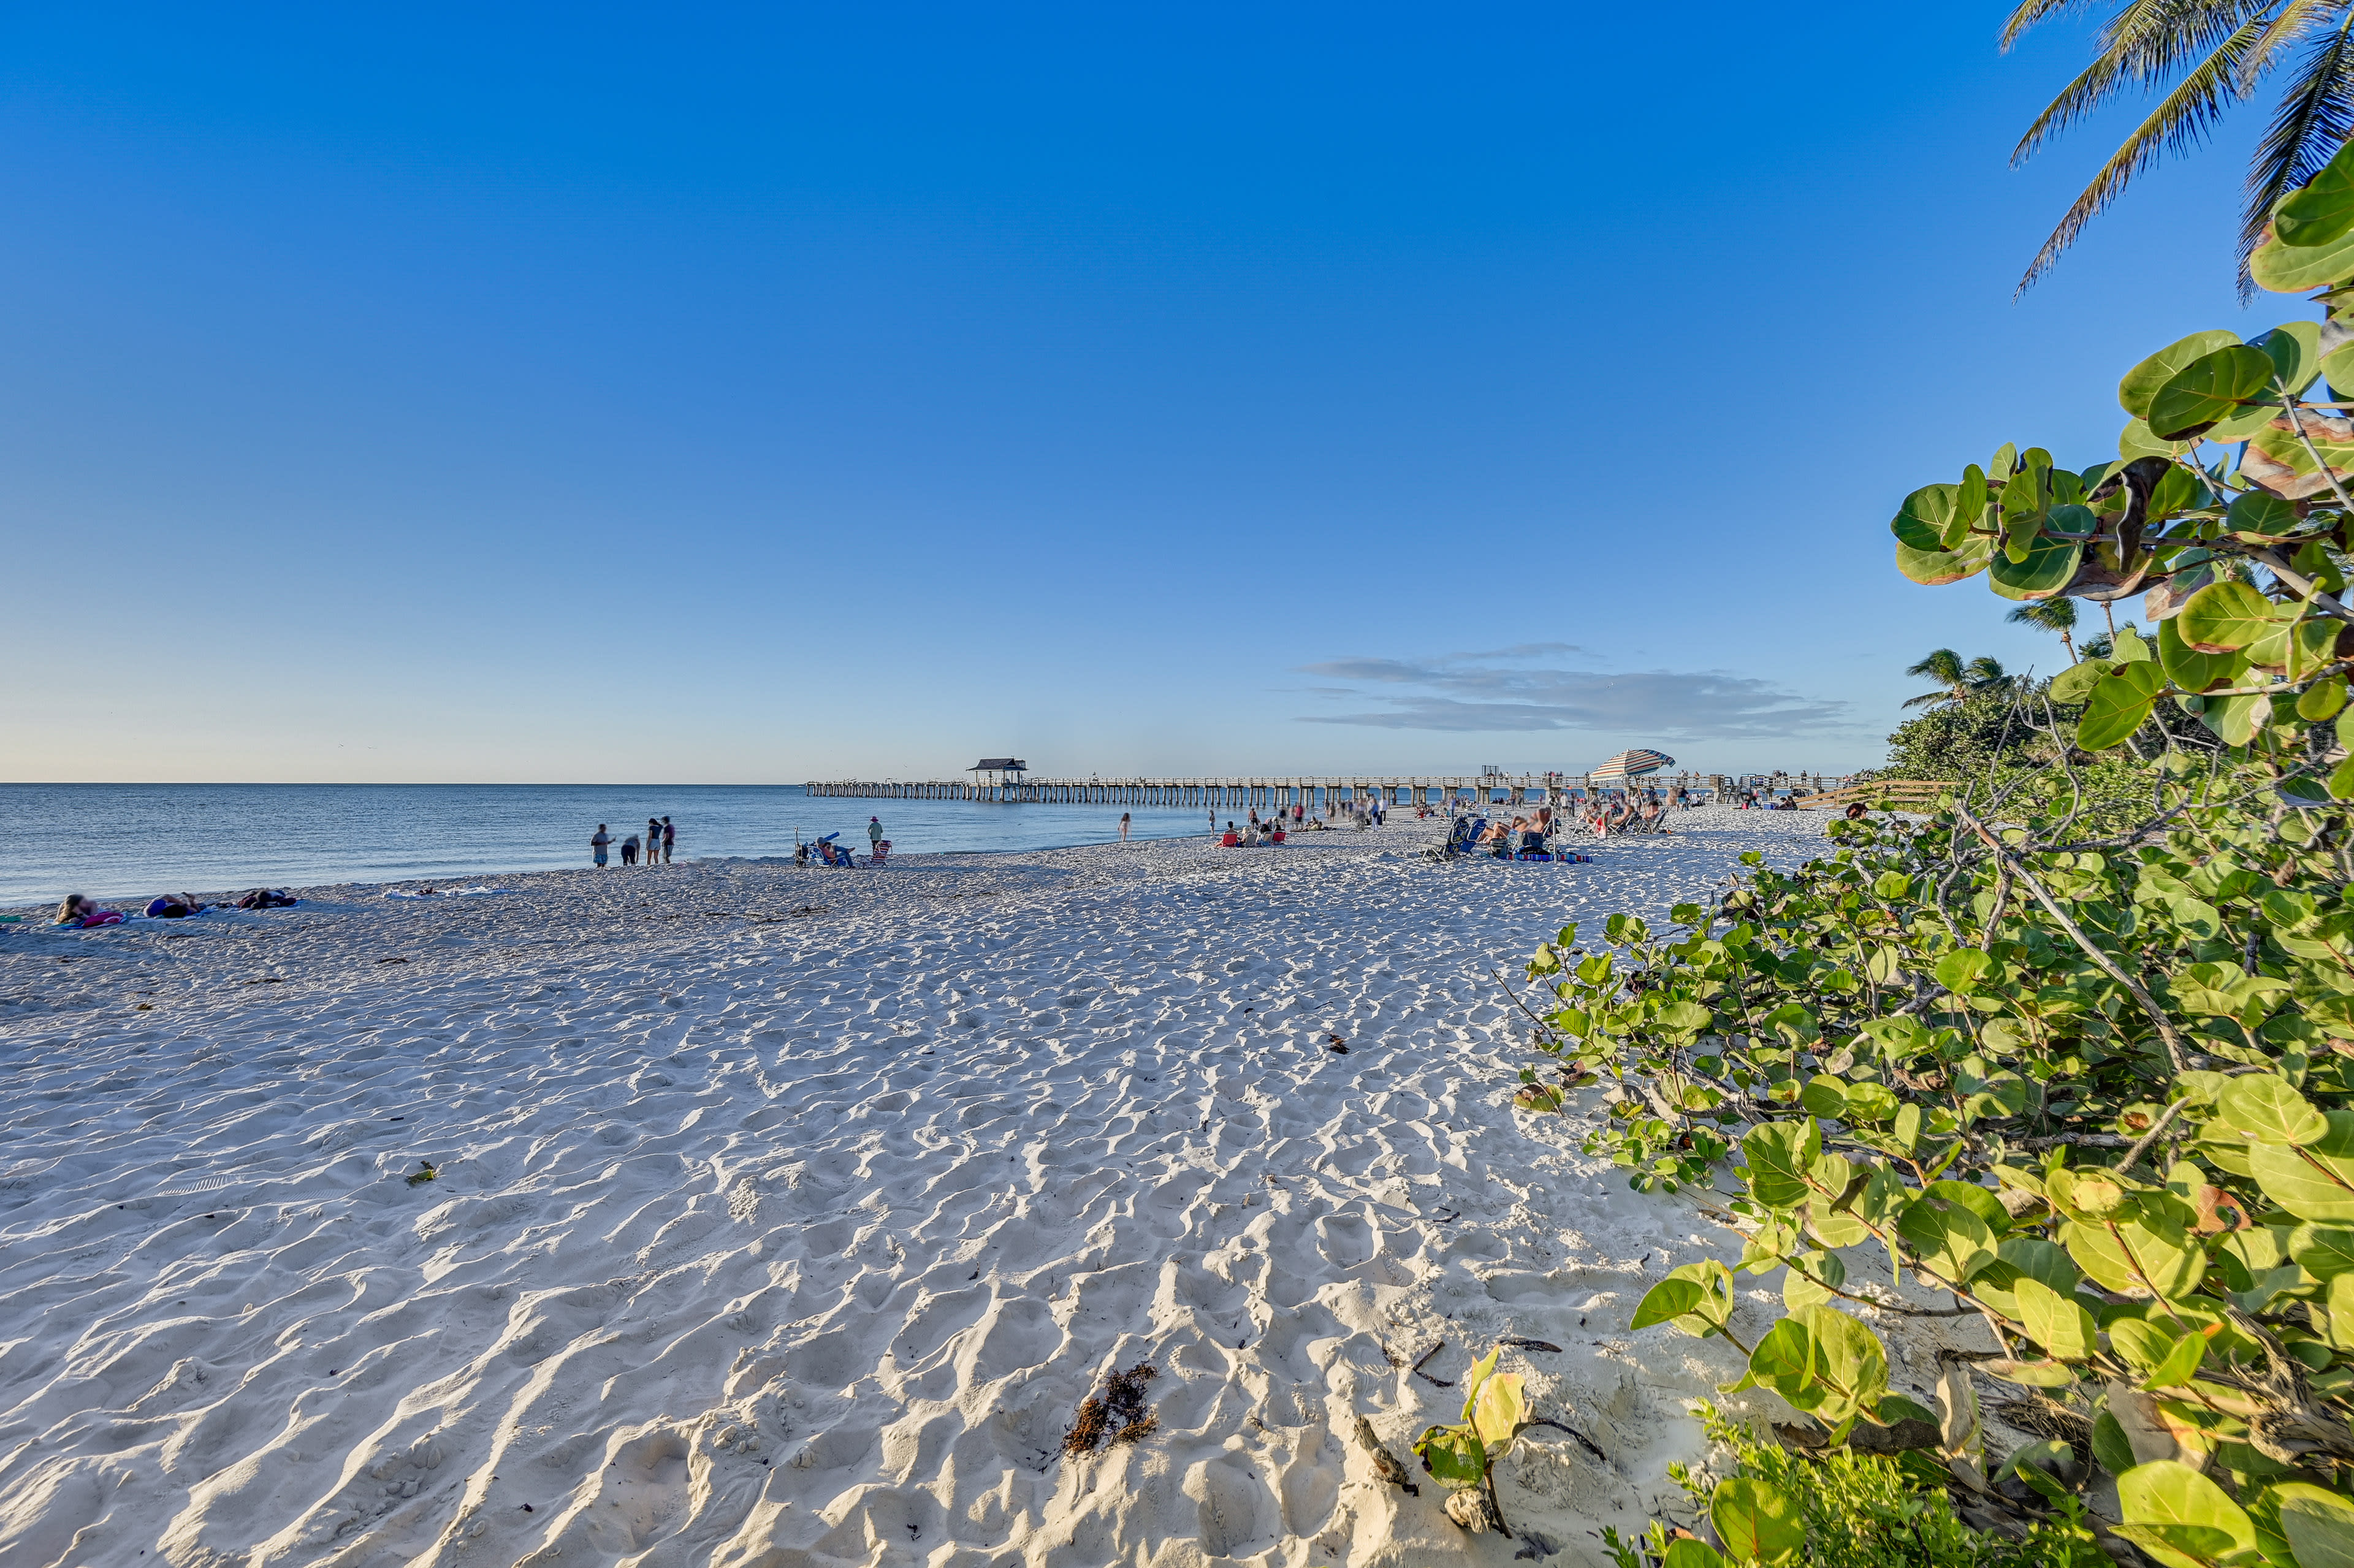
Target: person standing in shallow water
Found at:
x=670, y=840
x=597, y=843
x=653, y=840
x=1123, y=827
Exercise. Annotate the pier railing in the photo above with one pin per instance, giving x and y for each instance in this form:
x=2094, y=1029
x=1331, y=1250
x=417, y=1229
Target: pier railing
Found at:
x=1323, y=795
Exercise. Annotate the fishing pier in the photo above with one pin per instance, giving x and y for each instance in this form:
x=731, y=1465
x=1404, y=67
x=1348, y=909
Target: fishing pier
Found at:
x=1320, y=796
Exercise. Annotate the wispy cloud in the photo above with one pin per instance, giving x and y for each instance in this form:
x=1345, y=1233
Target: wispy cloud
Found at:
x=1504, y=690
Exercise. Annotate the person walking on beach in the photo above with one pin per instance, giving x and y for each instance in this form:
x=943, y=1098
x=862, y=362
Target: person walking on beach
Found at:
x=874, y=834
x=653, y=840
x=597, y=843
x=670, y=840
x=1123, y=827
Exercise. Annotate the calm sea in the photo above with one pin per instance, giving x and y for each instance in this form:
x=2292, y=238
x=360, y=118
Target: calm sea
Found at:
x=120, y=841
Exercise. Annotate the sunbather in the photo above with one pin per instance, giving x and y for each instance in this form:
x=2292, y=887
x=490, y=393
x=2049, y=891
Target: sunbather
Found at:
x=173, y=906
x=80, y=910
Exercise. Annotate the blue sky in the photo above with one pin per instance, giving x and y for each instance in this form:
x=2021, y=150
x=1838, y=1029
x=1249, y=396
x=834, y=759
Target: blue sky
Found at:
x=582, y=393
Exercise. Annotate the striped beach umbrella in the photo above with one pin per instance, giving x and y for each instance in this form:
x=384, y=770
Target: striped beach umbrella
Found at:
x=1632, y=764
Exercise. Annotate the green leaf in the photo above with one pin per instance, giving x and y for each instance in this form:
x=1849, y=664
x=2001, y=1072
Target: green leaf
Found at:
x=2180, y=1363
x=2295, y=349
x=2142, y=382
x=2047, y=567
x=1453, y=1455
x=1478, y=1375
x=2128, y=1256
x=1923, y=520
x=2110, y=1448
x=2288, y=268
x=2118, y=704
x=1960, y=970
x=2277, y=459
x=1683, y=1018
x=2235, y=720
x=2024, y=1257
x=2189, y=669
x=2321, y=211
x=1848, y=1360
x=2224, y=617
x=2314, y=1181
x=2210, y=389
x=2320, y=1524
x=2268, y=1110
x=1689, y=1551
x=1947, y=1237
x=1935, y=568
x=2258, y=517
x=1756, y=1521
x=2074, y=684
x=1784, y=1362
x=1824, y=1096
x=2059, y=1323
x=2132, y=647
x=1500, y=1412
x=2179, y=1517
x=2034, y=1375
x=2322, y=701
x=1778, y=1153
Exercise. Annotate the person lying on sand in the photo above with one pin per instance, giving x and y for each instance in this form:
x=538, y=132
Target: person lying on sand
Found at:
x=80, y=910
x=174, y=907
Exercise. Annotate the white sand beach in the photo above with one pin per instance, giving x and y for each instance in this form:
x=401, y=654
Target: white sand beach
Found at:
x=783, y=1217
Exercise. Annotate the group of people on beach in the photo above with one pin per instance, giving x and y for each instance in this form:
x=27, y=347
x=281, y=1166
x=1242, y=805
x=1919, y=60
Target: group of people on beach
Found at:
x=660, y=839
x=83, y=912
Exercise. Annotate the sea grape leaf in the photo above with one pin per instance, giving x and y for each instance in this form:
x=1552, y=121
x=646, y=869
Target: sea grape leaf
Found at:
x=2288, y=268
x=1778, y=1153
x=1479, y=1373
x=1948, y=1238
x=2320, y=1524
x=2179, y=1517
x=2236, y=719
x=2046, y=567
x=2268, y=1109
x=1935, y=568
x=2253, y=515
x=2141, y=383
x=2295, y=349
x=1921, y=521
x=2059, y=1323
x=2319, y=212
x=2224, y=617
x=1500, y=1412
x=1453, y=1455
x=2189, y=669
x=2117, y=703
x=2210, y=389
x=2128, y=1256
x=1848, y=1360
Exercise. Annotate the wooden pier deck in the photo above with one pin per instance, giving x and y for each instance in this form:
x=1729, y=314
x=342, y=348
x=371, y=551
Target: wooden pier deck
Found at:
x=1320, y=795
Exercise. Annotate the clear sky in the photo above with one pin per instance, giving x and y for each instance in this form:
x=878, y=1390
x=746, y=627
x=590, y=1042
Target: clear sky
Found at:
x=604, y=394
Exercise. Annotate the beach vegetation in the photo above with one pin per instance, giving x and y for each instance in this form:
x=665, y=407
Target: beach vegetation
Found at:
x=426, y=1171
x=1462, y=1456
x=1845, y=1510
x=1956, y=679
x=2086, y=1080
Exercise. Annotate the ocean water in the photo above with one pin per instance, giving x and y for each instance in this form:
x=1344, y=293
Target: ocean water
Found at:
x=123, y=841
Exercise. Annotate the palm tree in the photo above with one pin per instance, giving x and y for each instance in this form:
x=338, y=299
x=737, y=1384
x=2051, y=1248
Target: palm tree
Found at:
x=1957, y=680
x=2205, y=56
x=2050, y=615
x=1946, y=667
x=1987, y=674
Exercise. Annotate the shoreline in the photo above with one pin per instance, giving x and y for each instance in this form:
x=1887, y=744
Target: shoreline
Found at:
x=783, y=1216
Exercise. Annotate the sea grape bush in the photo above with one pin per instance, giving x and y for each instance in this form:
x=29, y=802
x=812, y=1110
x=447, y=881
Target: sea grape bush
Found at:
x=1462, y=1456
x=2092, y=1082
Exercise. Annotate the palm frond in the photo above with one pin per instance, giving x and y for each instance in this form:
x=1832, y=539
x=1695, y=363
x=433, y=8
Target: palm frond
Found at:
x=2177, y=124
x=1942, y=664
x=2295, y=19
x=1927, y=697
x=2051, y=614
x=2031, y=14
x=2315, y=118
x=2145, y=44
